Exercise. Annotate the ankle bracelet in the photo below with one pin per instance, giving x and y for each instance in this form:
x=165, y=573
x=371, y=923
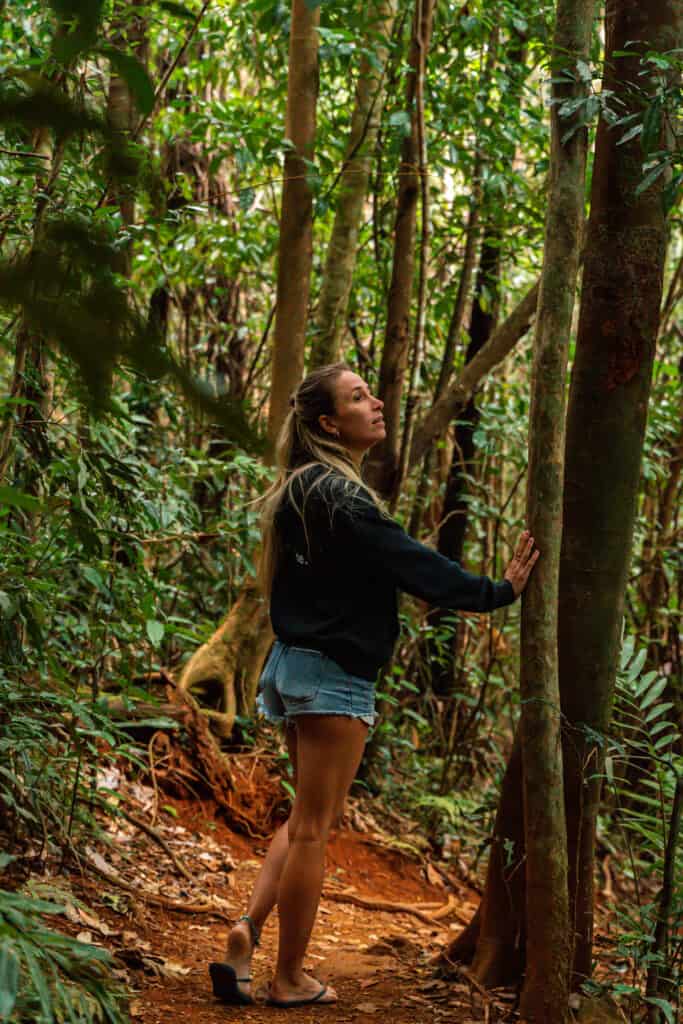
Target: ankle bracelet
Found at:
x=253, y=930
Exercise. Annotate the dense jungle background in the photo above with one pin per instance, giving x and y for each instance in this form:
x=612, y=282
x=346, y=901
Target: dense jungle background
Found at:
x=198, y=202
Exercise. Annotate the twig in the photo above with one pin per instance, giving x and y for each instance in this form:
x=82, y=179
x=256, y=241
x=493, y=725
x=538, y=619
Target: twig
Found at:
x=158, y=838
x=113, y=876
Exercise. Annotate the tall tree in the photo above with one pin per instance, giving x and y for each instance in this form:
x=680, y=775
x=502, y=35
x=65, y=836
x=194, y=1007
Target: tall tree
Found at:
x=610, y=387
x=227, y=666
x=340, y=259
x=621, y=293
x=546, y=985
x=383, y=463
x=295, y=251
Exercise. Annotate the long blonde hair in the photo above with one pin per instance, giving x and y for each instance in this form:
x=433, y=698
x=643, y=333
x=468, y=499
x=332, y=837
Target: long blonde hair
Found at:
x=302, y=442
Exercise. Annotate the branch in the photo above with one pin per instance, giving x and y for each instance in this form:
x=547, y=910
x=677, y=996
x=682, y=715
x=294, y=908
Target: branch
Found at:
x=501, y=342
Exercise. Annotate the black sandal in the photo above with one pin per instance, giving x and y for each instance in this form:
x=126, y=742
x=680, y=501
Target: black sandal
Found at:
x=224, y=977
x=225, y=985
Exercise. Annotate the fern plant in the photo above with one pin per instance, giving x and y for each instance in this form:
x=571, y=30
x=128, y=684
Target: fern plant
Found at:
x=48, y=977
x=644, y=771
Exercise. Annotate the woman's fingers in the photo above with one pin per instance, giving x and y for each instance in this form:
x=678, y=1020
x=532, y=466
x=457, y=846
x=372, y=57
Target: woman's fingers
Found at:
x=522, y=543
x=523, y=561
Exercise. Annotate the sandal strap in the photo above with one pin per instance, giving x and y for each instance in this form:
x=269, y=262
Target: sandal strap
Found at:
x=253, y=931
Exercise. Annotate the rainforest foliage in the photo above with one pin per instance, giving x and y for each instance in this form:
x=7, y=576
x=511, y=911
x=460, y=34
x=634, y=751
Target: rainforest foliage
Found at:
x=153, y=322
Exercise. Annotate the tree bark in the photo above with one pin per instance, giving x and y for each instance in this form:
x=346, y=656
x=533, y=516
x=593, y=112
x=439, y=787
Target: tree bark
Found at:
x=224, y=671
x=618, y=326
x=546, y=986
x=622, y=286
x=295, y=252
x=383, y=463
x=353, y=186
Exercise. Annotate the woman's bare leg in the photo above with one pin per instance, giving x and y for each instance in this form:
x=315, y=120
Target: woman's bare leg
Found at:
x=329, y=750
x=264, y=893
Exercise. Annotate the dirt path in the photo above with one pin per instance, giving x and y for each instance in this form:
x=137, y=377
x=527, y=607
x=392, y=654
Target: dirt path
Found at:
x=378, y=961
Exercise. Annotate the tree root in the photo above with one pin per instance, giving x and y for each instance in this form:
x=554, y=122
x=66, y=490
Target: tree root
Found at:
x=389, y=907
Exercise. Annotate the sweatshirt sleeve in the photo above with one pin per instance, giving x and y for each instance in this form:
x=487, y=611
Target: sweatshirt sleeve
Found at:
x=413, y=567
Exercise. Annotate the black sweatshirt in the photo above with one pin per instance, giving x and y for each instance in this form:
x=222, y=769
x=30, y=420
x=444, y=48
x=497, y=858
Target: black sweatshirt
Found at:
x=335, y=590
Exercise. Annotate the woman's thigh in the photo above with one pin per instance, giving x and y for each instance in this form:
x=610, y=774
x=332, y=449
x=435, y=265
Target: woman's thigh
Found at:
x=328, y=752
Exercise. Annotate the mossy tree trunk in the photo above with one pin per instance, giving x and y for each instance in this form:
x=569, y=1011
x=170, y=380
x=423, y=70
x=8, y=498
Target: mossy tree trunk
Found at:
x=546, y=984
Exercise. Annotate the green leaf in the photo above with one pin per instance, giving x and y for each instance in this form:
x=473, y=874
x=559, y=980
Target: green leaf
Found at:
x=630, y=134
x=93, y=576
x=653, y=693
x=134, y=75
x=645, y=683
x=651, y=177
x=38, y=978
x=636, y=666
x=14, y=498
x=155, y=631
x=177, y=9
x=9, y=979
x=657, y=710
x=665, y=1006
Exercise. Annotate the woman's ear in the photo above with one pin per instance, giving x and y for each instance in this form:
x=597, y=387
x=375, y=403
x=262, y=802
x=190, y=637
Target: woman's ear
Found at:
x=328, y=426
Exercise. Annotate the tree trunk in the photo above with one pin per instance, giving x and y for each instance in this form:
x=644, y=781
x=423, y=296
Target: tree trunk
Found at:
x=224, y=671
x=412, y=398
x=295, y=252
x=622, y=285
x=451, y=536
x=622, y=289
x=546, y=986
x=353, y=185
x=383, y=463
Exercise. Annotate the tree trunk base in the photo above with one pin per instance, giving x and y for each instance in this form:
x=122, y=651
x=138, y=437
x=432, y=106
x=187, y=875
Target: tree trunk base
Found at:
x=222, y=675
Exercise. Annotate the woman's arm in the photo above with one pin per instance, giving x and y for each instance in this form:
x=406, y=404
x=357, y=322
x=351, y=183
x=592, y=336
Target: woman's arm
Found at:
x=384, y=547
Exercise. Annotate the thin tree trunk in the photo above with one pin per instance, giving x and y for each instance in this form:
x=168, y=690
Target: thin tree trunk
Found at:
x=353, y=186
x=421, y=312
x=226, y=668
x=546, y=986
x=295, y=252
x=383, y=463
x=611, y=379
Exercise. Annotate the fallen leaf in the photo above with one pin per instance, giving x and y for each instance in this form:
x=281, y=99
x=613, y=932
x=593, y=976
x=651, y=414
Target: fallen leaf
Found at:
x=366, y=1007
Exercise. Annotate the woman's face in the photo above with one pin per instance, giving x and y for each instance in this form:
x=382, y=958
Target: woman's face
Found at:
x=358, y=420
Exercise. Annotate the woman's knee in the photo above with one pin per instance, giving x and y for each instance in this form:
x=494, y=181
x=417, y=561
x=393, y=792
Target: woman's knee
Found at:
x=310, y=828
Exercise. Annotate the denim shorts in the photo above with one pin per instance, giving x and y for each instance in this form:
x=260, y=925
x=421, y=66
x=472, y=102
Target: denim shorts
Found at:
x=300, y=681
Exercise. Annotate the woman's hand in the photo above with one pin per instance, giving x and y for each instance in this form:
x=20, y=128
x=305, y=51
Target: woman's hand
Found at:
x=524, y=560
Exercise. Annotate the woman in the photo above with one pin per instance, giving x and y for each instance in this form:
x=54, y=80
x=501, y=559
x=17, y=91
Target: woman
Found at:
x=332, y=564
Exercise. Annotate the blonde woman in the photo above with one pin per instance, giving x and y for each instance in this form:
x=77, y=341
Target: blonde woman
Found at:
x=332, y=565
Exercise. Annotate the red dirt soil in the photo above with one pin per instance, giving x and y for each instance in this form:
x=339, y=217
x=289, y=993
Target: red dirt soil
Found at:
x=378, y=961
